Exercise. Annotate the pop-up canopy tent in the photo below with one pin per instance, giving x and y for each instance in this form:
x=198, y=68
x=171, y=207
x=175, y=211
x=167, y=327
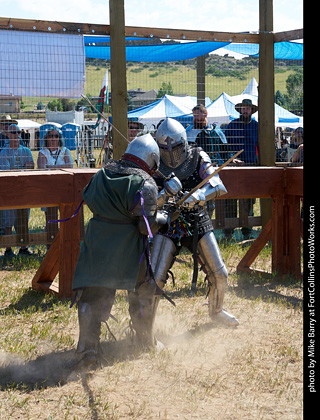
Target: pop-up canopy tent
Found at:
x=168, y=106
x=222, y=110
x=283, y=117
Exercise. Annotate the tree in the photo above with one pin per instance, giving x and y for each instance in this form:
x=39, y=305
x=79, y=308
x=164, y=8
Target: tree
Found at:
x=55, y=104
x=294, y=95
x=40, y=106
x=165, y=89
x=280, y=99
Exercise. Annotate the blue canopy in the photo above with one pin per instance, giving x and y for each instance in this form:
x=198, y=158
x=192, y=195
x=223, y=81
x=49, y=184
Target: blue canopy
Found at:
x=184, y=50
x=282, y=50
x=158, y=52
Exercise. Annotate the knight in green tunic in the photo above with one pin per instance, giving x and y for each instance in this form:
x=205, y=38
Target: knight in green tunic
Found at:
x=123, y=199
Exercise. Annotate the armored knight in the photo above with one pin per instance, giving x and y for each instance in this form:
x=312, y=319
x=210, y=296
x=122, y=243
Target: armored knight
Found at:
x=193, y=228
x=123, y=199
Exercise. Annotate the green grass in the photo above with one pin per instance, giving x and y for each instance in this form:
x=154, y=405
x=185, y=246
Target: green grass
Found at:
x=182, y=78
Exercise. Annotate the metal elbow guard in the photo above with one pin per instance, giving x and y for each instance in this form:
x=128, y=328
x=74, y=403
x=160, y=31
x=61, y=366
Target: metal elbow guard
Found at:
x=212, y=191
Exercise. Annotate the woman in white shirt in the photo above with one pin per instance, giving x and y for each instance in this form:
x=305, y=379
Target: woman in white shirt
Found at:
x=53, y=155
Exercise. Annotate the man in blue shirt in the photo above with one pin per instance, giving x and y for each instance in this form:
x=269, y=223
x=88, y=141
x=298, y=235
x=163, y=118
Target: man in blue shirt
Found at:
x=242, y=133
x=209, y=137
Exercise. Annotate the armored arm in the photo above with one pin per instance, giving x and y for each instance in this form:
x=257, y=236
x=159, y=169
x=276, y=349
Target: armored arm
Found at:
x=171, y=187
x=155, y=218
x=212, y=189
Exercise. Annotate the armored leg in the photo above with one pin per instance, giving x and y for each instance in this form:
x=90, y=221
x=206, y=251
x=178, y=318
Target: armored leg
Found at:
x=217, y=278
x=162, y=258
x=94, y=306
x=143, y=302
x=140, y=308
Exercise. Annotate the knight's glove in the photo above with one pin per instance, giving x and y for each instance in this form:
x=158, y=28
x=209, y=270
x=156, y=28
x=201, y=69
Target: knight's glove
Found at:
x=171, y=187
x=198, y=198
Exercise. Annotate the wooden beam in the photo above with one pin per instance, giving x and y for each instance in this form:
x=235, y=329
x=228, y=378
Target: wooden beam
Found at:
x=288, y=35
x=118, y=77
x=146, y=32
x=266, y=85
x=49, y=267
x=69, y=248
x=50, y=188
x=201, y=79
x=255, y=249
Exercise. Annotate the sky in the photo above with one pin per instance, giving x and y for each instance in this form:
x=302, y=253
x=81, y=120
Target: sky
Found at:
x=222, y=16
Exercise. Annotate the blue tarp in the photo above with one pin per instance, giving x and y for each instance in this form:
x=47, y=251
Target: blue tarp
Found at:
x=185, y=50
x=158, y=53
x=282, y=50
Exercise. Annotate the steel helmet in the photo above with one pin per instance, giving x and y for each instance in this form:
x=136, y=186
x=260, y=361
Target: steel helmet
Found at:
x=172, y=141
x=144, y=152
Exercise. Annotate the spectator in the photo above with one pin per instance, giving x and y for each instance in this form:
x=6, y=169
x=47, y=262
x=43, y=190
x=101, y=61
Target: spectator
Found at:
x=5, y=121
x=134, y=128
x=207, y=136
x=27, y=139
x=295, y=149
x=14, y=156
x=210, y=138
x=53, y=155
x=242, y=133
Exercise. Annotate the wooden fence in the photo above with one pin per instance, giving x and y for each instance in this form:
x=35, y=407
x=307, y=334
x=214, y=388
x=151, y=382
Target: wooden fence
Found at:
x=64, y=187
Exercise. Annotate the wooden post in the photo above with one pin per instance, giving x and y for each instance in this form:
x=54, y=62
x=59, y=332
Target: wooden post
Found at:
x=201, y=80
x=286, y=253
x=118, y=76
x=266, y=96
x=69, y=248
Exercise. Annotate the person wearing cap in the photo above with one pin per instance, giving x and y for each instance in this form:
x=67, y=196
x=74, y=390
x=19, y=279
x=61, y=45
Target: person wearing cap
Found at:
x=14, y=156
x=242, y=133
x=134, y=128
x=5, y=121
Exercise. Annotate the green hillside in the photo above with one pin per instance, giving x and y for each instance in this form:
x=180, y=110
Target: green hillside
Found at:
x=223, y=74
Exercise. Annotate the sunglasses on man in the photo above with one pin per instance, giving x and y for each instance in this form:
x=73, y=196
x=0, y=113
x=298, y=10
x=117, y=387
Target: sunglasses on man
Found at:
x=54, y=135
x=14, y=132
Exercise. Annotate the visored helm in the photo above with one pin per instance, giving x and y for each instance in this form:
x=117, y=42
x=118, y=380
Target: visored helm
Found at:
x=172, y=141
x=144, y=152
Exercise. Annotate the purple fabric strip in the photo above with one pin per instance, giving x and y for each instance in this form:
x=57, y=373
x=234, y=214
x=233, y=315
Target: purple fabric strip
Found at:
x=145, y=216
x=69, y=218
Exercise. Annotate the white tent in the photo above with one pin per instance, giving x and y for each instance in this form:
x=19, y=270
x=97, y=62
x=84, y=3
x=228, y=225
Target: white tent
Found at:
x=167, y=106
x=222, y=110
x=31, y=127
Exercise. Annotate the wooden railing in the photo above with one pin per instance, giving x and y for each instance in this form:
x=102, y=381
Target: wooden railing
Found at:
x=64, y=187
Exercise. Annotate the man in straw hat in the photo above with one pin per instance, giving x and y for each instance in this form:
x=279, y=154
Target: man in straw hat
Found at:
x=242, y=133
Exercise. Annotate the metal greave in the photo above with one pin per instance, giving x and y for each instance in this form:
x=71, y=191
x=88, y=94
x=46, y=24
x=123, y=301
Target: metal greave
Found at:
x=216, y=270
x=162, y=257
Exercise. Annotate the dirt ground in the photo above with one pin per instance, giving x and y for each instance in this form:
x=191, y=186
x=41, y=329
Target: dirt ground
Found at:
x=205, y=372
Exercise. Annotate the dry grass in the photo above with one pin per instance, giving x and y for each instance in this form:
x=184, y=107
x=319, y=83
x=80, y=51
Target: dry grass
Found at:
x=206, y=372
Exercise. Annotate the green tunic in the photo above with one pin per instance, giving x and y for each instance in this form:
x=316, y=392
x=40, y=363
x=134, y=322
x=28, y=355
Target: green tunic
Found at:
x=110, y=253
